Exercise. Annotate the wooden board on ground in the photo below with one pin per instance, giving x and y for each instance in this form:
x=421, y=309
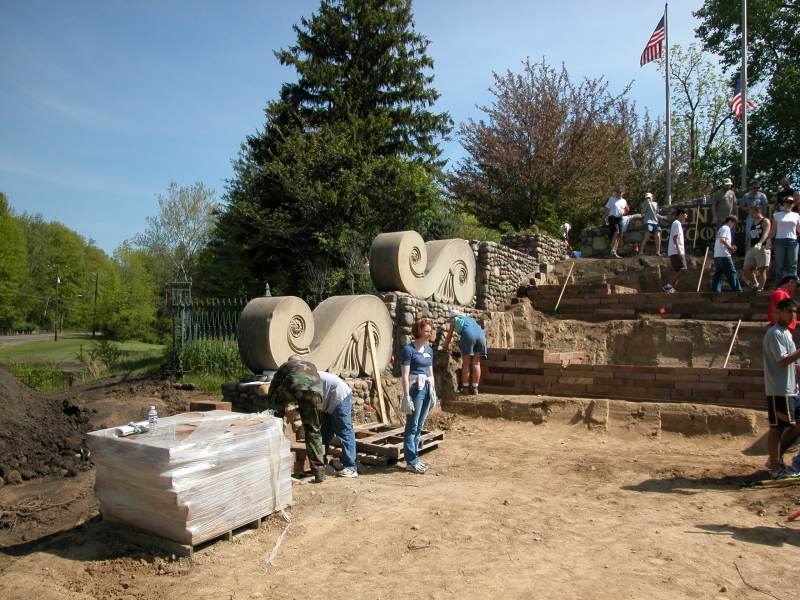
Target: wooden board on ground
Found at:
x=377, y=439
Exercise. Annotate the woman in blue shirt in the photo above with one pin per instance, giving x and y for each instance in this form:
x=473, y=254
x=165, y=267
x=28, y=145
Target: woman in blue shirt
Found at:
x=472, y=345
x=416, y=371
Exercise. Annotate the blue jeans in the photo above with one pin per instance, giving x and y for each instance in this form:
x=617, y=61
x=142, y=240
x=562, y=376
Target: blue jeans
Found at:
x=724, y=266
x=414, y=423
x=340, y=423
x=784, y=253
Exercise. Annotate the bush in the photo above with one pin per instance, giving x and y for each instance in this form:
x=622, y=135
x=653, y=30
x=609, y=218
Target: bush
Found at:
x=212, y=357
x=107, y=353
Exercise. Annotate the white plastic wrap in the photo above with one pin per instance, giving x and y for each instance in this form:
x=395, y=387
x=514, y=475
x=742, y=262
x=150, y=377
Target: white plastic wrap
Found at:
x=196, y=476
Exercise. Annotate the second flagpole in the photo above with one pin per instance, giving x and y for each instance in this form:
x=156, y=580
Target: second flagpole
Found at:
x=668, y=198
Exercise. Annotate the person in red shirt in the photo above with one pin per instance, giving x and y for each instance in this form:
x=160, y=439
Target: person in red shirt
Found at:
x=787, y=289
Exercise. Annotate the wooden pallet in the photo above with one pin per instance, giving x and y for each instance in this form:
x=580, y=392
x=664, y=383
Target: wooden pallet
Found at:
x=146, y=539
x=377, y=439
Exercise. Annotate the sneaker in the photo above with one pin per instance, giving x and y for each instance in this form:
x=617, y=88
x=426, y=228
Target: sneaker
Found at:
x=319, y=477
x=423, y=465
x=659, y=254
x=416, y=468
x=615, y=255
x=668, y=289
x=474, y=390
x=349, y=472
x=464, y=390
x=757, y=288
x=784, y=473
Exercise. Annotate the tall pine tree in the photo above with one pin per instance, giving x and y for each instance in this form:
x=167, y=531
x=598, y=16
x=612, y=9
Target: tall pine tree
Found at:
x=348, y=150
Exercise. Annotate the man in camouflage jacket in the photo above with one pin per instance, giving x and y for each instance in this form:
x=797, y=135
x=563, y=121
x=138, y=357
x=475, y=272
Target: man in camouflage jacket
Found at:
x=297, y=384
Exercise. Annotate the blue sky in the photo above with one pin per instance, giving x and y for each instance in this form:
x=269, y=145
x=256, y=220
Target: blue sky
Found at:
x=104, y=103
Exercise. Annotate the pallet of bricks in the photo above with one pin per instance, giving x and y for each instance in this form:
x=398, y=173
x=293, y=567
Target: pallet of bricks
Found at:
x=195, y=476
x=567, y=374
x=608, y=302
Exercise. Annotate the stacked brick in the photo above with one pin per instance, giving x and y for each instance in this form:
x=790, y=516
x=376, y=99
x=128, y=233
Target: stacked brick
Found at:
x=606, y=302
x=511, y=371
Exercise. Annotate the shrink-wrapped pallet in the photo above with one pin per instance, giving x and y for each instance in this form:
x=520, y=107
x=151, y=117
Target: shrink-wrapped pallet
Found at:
x=196, y=476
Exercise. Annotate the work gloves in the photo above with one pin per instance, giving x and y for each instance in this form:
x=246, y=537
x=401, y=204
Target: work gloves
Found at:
x=406, y=406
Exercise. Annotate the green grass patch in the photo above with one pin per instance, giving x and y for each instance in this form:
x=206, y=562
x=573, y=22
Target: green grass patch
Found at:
x=43, y=378
x=46, y=365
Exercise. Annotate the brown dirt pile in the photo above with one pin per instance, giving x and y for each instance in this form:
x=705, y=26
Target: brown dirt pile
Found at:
x=38, y=435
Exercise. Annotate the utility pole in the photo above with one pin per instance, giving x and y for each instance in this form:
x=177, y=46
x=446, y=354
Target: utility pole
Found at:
x=94, y=314
x=57, y=315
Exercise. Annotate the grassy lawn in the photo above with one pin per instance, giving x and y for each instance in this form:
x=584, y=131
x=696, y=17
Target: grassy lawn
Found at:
x=64, y=350
x=44, y=364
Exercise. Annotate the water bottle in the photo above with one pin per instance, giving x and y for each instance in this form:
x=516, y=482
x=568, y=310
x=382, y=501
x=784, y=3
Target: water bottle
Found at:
x=152, y=418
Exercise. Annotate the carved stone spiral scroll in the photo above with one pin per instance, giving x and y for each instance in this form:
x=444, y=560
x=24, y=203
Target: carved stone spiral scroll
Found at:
x=333, y=337
x=443, y=270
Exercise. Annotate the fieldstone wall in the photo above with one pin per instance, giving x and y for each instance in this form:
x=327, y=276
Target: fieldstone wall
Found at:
x=542, y=247
x=595, y=241
x=500, y=271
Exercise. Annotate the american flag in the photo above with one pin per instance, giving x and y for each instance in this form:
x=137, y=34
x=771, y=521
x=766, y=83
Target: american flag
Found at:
x=654, y=46
x=736, y=103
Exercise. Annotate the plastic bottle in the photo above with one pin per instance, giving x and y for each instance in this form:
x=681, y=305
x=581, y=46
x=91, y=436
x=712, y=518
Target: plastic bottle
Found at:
x=152, y=418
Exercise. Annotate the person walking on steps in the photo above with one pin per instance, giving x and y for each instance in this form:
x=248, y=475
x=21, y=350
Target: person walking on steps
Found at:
x=780, y=385
x=755, y=197
x=296, y=383
x=651, y=226
x=337, y=419
x=472, y=346
x=756, y=261
x=724, y=250
x=416, y=373
x=616, y=208
x=675, y=251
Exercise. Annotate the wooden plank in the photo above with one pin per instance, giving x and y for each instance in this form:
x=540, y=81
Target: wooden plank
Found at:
x=377, y=375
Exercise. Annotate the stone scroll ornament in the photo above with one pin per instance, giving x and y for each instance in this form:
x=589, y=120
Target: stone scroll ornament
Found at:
x=333, y=337
x=443, y=270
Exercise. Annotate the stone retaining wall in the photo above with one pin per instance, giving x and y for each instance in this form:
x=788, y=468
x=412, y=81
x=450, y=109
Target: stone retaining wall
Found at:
x=511, y=371
x=500, y=272
x=542, y=247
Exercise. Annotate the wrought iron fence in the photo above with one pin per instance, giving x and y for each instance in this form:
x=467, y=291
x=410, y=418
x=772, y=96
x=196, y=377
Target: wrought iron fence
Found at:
x=202, y=318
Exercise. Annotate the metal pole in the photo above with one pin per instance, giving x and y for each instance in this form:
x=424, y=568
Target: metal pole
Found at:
x=94, y=314
x=669, y=115
x=56, y=317
x=744, y=95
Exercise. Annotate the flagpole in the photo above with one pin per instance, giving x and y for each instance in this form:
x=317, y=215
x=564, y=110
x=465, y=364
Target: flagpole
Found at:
x=744, y=95
x=669, y=117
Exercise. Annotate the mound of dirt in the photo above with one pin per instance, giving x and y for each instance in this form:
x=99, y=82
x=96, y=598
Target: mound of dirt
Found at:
x=38, y=435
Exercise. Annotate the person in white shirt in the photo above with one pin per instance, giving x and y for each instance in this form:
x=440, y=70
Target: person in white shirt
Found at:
x=616, y=208
x=677, y=257
x=785, y=225
x=724, y=250
x=651, y=227
x=336, y=419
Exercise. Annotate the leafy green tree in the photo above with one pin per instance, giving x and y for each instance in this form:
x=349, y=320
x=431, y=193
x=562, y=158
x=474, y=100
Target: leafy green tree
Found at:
x=704, y=141
x=545, y=149
x=348, y=150
x=128, y=306
x=13, y=265
x=774, y=60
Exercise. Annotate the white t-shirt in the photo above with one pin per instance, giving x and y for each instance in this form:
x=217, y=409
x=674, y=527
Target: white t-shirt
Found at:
x=334, y=390
x=675, y=243
x=616, y=206
x=721, y=251
x=786, y=225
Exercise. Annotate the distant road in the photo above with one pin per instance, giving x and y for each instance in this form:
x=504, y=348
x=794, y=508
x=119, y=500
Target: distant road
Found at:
x=16, y=340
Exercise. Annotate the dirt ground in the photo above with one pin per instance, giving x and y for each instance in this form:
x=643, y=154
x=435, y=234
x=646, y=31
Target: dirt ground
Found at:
x=507, y=510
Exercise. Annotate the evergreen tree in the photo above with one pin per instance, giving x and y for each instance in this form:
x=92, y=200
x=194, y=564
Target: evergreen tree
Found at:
x=348, y=150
